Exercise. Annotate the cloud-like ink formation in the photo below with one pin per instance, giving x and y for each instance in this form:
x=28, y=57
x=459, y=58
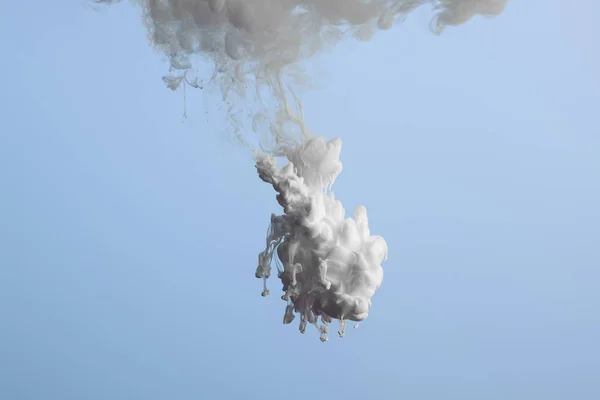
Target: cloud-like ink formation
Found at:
x=255, y=46
x=329, y=265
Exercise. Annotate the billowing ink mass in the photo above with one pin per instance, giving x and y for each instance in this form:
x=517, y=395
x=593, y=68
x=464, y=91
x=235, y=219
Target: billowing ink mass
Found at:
x=329, y=264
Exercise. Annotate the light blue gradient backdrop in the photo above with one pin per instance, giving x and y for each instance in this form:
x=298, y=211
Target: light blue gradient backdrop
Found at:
x=128, y=240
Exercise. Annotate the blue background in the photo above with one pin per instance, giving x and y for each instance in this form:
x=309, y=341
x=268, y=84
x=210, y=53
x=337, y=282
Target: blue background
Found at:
x=128, y=240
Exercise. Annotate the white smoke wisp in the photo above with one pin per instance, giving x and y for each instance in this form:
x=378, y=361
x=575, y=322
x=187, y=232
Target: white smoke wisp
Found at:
x=329, y=265
x=256, y=47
